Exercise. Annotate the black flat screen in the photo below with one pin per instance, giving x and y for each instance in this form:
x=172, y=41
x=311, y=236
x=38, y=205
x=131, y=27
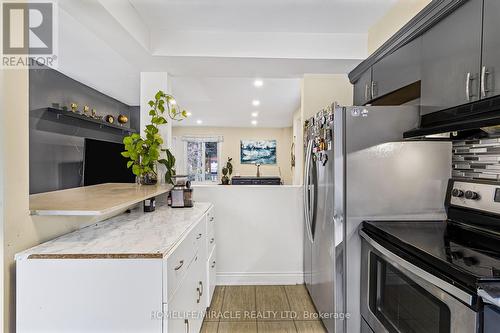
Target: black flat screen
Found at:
x=103, y=163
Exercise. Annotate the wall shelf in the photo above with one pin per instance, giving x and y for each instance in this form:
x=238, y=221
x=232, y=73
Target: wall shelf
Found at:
x=102, y=200
x=101, y=123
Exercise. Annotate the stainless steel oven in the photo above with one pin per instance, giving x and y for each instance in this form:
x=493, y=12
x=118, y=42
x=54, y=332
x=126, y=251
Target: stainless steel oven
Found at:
x=399, y=297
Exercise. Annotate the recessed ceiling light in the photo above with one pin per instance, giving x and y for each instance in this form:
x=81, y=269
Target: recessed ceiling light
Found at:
x=255, y=114
x=254, y=122
x=189, y=114
x=255, y=102
x=199, y=121
x=258, y=83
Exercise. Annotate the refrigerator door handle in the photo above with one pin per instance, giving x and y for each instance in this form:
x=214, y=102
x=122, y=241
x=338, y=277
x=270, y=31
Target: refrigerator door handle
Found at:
x=307, y=192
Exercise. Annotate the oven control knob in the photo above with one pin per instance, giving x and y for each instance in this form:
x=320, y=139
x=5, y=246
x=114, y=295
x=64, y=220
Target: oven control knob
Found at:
x=471, y=195
x=457, y=193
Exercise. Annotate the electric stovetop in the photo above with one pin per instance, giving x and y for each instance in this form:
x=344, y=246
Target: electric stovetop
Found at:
x=462, y=255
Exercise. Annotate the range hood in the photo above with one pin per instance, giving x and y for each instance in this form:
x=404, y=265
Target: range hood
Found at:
x=473, y=116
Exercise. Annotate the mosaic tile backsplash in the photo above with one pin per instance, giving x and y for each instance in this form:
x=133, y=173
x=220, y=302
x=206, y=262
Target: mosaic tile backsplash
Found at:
x=477, y=159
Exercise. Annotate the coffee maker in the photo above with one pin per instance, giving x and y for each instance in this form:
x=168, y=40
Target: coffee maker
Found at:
x=182, y=193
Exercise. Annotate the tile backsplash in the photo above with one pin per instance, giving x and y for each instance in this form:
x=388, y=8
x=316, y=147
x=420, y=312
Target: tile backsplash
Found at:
x=477, y=159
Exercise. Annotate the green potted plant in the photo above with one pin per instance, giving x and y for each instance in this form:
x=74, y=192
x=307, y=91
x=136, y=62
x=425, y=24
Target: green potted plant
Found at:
x=227, y=171
x=144, y=152
x=169, y=163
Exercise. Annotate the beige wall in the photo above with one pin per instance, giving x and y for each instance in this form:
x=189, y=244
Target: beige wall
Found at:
x=320, y=91
x=21, y=231
x=231, y=147
x=402, y=12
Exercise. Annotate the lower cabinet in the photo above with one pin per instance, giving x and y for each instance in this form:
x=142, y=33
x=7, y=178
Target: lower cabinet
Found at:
x=211, y=275
x=185, y=309
x=169, y=294
x=184, y=313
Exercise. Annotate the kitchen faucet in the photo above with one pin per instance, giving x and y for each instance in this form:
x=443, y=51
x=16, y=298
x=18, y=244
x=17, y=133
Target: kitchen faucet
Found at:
x=258, y=169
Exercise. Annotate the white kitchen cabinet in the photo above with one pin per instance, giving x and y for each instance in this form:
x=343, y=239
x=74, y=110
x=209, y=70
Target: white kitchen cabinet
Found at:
x=211, y=267
x=159, y=283
x=184, y=312
x=211, y=275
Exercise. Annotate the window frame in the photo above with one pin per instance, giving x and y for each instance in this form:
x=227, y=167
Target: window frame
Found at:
x=204, y=140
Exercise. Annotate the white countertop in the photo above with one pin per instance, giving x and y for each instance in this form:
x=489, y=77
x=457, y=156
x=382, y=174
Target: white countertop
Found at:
x=130, y=235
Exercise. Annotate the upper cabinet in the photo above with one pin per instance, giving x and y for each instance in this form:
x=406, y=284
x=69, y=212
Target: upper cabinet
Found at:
x=490, y=70
x=451, y=58
x=399, y=69
x=363, y=89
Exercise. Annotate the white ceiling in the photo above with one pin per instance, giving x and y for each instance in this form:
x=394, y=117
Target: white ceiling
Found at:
x=228, y=101
x=302, y=16
x=214, y=49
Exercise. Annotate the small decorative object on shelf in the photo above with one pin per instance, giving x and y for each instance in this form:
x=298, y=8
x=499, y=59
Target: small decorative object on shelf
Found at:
x=122, y=119
x=74, y=107
x=55, y=105
x=86, y=110
x=227, y=171
x=109, y=119
x=94, y=114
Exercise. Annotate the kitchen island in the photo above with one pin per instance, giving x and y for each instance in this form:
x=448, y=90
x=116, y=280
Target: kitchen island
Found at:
x=260, y=232
x=123, y=274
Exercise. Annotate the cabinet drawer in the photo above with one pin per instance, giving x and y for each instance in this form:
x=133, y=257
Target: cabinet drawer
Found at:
x=178, y=263
x=200, y=234
x=211, y=240
x=211, y=275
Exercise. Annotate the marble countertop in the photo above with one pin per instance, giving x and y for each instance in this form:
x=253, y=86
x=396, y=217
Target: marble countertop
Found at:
x=130, y=235
x=97, y=200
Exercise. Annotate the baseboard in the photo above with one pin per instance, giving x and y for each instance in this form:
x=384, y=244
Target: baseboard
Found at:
x=259, y=278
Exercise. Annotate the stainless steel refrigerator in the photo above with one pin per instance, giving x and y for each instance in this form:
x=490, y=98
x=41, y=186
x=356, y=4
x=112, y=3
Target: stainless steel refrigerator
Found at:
x=357, y=168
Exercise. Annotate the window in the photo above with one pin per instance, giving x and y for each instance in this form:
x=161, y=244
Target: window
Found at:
x=202, y=159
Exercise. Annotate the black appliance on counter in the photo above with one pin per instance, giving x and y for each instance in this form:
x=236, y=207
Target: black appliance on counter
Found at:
x=240, y=180
x=436, y=276
x=103, y=163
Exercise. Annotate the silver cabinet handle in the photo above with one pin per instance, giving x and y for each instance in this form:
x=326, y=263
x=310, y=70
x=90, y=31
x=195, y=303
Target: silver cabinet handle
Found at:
x=367, y=92
x=373, y=89
x=468, y=79
x=199, y=295
x=202, y=289
x=181, y=263
x=211, y=219
x=213, y=264
x=212, y=240
x=484, y=75
x=199, y=236
x=186, y=322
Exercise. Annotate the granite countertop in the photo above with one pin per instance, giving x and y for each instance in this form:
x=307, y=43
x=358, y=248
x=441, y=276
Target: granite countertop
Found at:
x=130, y=235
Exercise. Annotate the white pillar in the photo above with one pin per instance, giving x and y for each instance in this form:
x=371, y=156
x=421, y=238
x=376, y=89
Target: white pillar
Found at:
x=151, y=82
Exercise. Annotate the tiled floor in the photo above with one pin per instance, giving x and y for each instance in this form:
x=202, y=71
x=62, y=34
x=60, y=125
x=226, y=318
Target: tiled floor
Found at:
x=262, y=309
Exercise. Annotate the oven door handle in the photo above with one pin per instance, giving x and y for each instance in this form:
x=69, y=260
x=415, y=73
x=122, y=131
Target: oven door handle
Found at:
x=424, y=275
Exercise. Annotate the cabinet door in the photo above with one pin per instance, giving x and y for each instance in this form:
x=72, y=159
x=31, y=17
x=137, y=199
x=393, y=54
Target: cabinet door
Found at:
x=211, y=275
x=398, y=69
x=452, y=59
x=362, y=87
x=490, y=72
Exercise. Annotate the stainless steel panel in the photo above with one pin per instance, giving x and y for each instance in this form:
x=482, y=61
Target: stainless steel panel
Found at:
x=365, y=328
x=462, y=318
x=339, y=216
x=485, y=201
x=323, y=252
x=384, y=179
